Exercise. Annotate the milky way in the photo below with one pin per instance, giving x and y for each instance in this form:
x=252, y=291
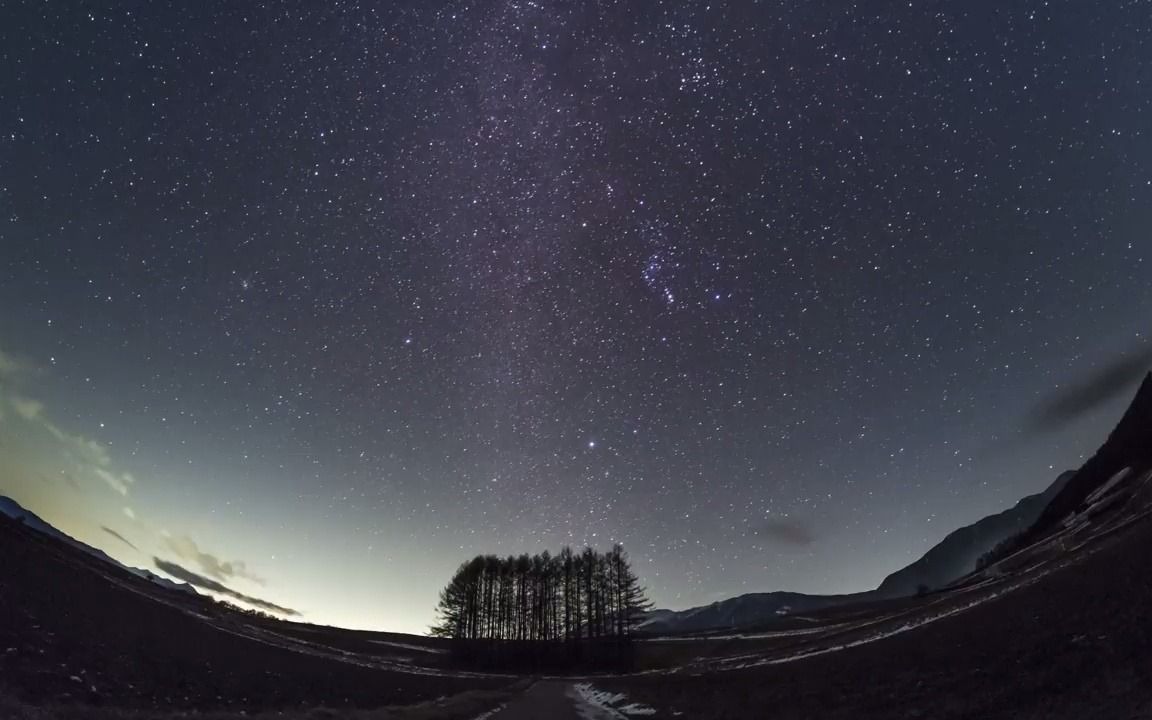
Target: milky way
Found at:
x=355, y=292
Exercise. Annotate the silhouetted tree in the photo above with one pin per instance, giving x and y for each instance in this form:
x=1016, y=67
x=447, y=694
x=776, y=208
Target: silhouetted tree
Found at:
x=542, y=608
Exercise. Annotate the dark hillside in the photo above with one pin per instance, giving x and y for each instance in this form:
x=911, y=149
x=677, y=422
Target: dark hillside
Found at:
x=76, y=629
x=1128, y=446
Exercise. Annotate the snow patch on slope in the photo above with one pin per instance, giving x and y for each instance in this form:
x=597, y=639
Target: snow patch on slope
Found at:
x=593, y=704
x=409, y=646
x=748, y=661
x=490, y=713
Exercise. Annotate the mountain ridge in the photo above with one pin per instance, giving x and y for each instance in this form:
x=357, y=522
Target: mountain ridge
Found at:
x=1128, y=445
x=950, y=559
x=956, y=555
x=12, y=509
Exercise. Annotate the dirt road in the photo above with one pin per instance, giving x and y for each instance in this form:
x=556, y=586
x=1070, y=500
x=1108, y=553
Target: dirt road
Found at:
x=545, y=700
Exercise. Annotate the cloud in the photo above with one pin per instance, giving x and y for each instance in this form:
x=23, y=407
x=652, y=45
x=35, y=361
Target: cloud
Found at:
x=119, y=483
x=181, y=573
x=1090, y=391
x=30, y=410
x=129, y=513
x=69, y=480
x=85, y=449
x=208, y=563
x=785, y=531
x=119, y=537
x=89, y=450
x=9, y=365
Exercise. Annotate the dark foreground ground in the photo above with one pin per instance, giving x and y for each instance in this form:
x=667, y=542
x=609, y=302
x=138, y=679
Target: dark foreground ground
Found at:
x=76, y=633
x=1061, y=631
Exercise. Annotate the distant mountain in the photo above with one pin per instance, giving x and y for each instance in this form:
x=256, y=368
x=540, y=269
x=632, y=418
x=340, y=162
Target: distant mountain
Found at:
x=952, y=558
x=743, y=611
x=12, y=509
x=16, y=511
x=955, y=556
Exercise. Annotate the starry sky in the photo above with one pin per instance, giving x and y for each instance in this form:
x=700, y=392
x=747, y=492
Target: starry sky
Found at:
x=317, y=300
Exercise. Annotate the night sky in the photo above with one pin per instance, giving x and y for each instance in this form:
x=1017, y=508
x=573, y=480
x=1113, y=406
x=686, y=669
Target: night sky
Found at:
x=317, y=300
